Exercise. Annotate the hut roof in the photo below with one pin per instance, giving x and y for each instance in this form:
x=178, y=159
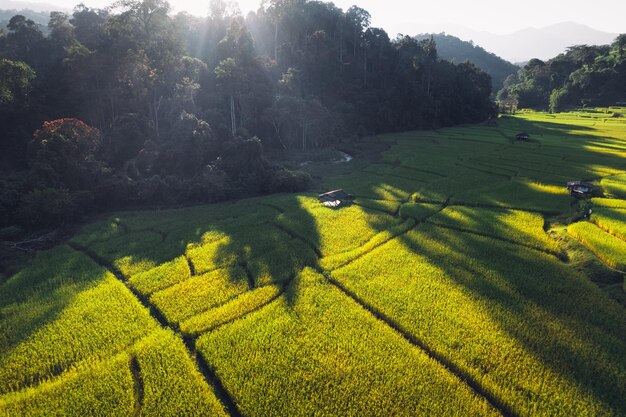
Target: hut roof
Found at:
x=571, y=184
x=334, y=198
x=580, y=188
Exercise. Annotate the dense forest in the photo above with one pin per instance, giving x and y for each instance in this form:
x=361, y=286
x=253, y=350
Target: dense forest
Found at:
x=582, y=76
x=131, y=105
x=456, y=50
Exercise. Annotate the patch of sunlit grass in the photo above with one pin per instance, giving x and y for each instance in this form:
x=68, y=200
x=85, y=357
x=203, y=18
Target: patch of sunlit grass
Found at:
x=610, y=249
x=340, y=359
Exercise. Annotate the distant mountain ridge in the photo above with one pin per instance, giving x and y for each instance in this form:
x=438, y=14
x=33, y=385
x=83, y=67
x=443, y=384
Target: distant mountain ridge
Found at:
x=454, y=49
x=35, y=6
x=40, y=18
x=35, y=11
x=523, y=45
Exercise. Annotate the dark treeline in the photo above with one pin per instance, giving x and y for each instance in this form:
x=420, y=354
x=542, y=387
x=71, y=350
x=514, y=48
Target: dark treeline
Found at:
x=584, y=75
x=129, y=105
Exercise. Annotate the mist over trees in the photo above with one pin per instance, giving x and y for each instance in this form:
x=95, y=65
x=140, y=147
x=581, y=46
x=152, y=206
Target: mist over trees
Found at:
x=131, y=105
x=584, y=75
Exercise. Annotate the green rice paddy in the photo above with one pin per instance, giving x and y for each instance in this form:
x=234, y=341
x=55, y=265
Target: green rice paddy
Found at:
x=441, y=290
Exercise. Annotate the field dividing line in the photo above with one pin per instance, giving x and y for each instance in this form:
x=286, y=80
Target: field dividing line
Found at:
x=59, y=372
x=558, y=255
x=505, y=136
x=211, y=377
x=597, y=257
x=533, y=171
x=205, y=369
x=138, y=387
x=260, y=307
x=222, y=304
x=607, y=230
x=496, y=207
x=485, y=171
x=392, y=237
x=249, y=275
x=474, y=385
x=379, y=210
x=372, y=249
x=294, y=235
x=425, y=171
x=154, y=230
x=272, y=206
x=192, y=267
x=401, y=177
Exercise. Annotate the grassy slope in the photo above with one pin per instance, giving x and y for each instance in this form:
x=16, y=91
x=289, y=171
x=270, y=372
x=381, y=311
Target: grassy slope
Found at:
x=441, y=293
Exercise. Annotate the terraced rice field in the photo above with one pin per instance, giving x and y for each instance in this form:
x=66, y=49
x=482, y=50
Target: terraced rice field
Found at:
x=440, y=291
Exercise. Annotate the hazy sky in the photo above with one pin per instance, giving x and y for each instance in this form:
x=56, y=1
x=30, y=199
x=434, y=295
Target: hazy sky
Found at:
x=497, y=16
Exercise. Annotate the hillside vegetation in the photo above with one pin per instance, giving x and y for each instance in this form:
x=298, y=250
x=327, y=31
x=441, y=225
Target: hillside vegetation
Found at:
x=454, y=49
x=457, y=283
x=584, y=75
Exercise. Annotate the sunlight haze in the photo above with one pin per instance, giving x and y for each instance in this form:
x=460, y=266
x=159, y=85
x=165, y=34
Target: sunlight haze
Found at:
x=410, y=17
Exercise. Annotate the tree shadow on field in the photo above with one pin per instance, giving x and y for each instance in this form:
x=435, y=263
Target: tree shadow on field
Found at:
x=239, y=236
x=270, y=250
x=243, y=239
x=34, y=299
x=558, y=317
x=38, y=293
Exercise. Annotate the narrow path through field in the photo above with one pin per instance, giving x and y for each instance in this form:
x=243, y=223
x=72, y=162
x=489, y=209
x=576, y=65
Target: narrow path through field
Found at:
x=495, y=402
x=205, y=369
x=484, y=171
x=261, y=306
x=137, y=386
x=503, y=239
x=424, y=171
x=192, y=268
x=314, y=248
x=608, y=230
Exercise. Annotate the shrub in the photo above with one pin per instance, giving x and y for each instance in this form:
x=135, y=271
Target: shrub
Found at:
x=62, y=154
x=51, y=206
x=288, y=181
x=11, y=189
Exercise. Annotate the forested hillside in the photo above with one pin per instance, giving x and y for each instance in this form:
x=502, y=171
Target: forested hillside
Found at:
x=132, y=105
x=40, y=18
x=584, y=75
x=456, y=50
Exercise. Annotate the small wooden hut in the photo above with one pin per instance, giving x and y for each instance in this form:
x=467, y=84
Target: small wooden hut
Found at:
x=522, y=136
x=335, y=198
x=579, y=189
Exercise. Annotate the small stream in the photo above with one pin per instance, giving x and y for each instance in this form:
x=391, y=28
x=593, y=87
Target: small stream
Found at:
x=344, y=157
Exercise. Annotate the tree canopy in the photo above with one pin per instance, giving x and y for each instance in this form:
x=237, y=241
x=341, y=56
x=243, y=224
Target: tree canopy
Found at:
x=583, y=75
x=179, y=100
